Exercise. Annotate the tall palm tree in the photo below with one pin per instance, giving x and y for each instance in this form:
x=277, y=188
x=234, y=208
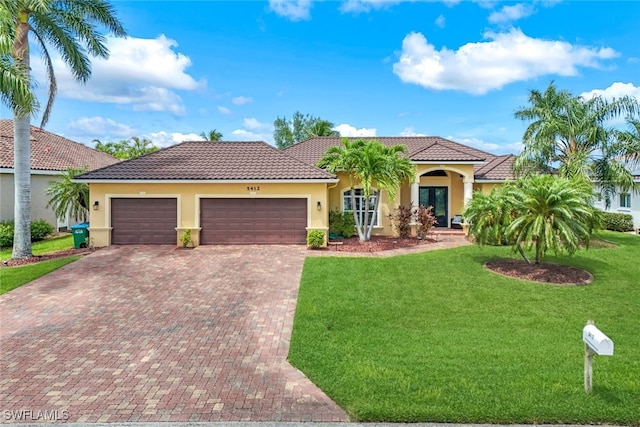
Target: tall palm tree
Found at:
x=68, y=197
x=572, y=134
x=374, y=167
x=212, y=135
x=71, y=28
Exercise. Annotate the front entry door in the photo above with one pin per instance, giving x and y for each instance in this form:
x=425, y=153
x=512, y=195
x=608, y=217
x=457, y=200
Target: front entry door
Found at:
x=438, y=197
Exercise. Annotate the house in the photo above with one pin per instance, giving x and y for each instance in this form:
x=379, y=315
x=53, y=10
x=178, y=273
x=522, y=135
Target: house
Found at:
x=250, y=192
x=625, y=202
x=51, y=155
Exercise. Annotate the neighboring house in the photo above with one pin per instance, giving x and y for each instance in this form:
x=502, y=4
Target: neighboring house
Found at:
x=625, y=202
x=51, y=155
x=250, y=192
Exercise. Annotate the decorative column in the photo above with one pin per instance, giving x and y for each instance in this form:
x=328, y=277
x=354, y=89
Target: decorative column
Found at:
x=415, y=194
x=468, y=191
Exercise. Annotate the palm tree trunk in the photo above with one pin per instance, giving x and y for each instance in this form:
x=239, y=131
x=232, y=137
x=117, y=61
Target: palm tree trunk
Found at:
x=365, y=225
x=376, y=206
x=356, y=217
x=22, y=154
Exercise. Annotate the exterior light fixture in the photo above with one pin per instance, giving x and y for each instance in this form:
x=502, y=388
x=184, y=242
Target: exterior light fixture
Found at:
x=319, y=206
x=96, y=205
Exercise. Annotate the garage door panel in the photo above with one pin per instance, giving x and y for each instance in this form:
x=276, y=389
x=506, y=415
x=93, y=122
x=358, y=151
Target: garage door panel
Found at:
x=253, y=221
x=147, y=221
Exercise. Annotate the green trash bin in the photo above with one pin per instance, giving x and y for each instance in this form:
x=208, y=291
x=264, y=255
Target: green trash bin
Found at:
x=80, y=235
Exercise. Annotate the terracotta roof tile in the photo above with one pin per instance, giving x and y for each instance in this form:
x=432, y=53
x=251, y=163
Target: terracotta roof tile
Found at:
x=499, y=168
x=421, y=148
x=205, y=160
x=52, y=152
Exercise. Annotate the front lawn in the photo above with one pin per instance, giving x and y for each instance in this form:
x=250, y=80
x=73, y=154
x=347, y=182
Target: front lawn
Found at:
x=436, y=337
x=13, y=277
x=44, y=246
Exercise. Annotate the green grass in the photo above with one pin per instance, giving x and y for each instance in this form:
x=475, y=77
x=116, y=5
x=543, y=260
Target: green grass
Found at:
x=436, y=337
x=13, y=277
x=44, y=246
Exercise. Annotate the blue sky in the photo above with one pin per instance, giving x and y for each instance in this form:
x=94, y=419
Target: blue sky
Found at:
x=455, y=69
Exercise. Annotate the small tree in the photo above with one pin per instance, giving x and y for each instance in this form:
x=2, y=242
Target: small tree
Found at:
x=369, y=163
x=488, y=216
x=302, y=126
x=68, y=197
x=127, y=148
x=212, y=135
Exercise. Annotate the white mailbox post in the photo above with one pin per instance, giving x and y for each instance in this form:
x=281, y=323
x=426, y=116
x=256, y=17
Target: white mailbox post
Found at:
x=595, y=342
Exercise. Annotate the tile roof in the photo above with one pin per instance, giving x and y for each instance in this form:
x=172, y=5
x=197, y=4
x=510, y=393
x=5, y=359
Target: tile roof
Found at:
x=205, y=160
x=52, y=152
x=421, y=148
x=499, y=168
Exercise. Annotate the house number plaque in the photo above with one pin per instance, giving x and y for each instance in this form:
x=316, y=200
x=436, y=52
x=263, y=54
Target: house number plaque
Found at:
x=253, y=188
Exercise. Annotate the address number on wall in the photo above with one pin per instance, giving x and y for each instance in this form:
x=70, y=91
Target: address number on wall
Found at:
x=253, y=188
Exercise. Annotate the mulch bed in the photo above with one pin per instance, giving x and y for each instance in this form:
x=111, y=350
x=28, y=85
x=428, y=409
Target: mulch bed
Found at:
x=376, y=244
x=547, y=273
x=45, y=257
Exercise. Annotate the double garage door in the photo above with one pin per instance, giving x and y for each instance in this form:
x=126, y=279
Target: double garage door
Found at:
x=153, y=221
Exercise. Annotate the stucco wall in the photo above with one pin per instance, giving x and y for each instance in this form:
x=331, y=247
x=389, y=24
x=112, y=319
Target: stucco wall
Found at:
x=189, y=196
x=39, y=198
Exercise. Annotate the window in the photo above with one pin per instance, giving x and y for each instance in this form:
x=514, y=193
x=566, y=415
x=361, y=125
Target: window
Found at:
x=625, y=200
x=360, y=206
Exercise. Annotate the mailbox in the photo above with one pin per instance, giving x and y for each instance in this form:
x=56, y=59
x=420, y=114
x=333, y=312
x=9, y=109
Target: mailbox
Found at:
x=597, y=342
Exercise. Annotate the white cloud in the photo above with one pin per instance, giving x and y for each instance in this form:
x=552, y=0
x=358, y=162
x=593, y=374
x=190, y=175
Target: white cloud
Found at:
x=441, y=21
x=350, y=131
x=409, y=131
x=165, y=139
x=358, y=6
x=480, y=67
x=143, y=73
x=241, y=100
x=491, y=147
x=295, y=10
x=253, y=130
x=100, y=128
x=511, y=13
x=616, y=90
x=224, y=110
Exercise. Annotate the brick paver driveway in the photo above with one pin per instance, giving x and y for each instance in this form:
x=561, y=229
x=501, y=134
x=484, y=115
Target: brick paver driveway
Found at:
x=158, y=334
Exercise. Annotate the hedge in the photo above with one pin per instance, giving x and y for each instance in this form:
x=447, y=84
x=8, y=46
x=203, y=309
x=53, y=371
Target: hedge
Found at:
x=617, y=221
x=39, y=230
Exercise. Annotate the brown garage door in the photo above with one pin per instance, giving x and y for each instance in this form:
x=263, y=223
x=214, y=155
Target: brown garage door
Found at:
x=143, y=221
x=253, y=221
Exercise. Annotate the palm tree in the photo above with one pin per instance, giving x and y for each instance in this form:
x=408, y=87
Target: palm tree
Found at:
x=571, y=133
x=321, y=128
x=15, y=92
x=551, y=213
x=212, y=135
x=488, y=216
x=369, y=163
x=68, y=197
x=70, y=27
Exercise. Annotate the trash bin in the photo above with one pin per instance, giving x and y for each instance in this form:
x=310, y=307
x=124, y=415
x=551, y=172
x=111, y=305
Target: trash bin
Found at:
x=80, y=235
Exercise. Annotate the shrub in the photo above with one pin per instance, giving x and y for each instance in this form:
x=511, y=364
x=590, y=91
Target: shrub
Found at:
x=401, y=218
x=425, y=219
x=39, y=230
x=185, y=239
x=315, y=239
x=342, y=223
x=617, y=221
x=6, y=234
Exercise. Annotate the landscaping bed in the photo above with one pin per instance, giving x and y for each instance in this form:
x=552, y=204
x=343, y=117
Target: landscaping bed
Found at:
x=376, y=244
x=44, y=257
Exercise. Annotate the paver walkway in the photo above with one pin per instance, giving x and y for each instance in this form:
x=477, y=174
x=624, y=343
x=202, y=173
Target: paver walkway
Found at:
x=148, y=333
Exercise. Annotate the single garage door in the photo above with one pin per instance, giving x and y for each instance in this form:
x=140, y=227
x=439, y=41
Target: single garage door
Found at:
x=253, y=221
x=143, y=221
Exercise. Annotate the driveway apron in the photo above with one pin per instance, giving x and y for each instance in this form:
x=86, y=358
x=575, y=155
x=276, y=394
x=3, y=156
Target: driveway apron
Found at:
x=143, y=333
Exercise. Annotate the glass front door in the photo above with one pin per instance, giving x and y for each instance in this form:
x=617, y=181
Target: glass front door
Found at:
x=438, y=197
